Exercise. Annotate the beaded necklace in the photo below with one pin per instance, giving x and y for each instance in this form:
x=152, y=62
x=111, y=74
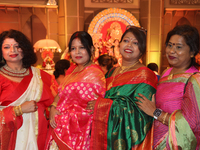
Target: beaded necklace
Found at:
x=13, y=73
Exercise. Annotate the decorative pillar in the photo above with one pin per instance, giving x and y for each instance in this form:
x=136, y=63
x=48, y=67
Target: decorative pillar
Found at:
x=70, y=19
x=151, y=19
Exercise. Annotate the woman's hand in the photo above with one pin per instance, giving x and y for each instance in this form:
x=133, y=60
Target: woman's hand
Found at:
x=29, y=106
x=146, y=105
x=53, y=112
x=90, y=106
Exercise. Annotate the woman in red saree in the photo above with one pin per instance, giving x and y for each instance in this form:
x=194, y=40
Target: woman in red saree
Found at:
x=118, y=122
x=69, y=119
x=24, y=95
x=177, y=108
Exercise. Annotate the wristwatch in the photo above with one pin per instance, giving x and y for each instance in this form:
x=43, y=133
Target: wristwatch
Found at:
x=157, y=113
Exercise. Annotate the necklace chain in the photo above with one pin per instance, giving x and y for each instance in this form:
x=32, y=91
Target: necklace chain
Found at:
x=13, y=73
x=121, y=70
x=69, y=78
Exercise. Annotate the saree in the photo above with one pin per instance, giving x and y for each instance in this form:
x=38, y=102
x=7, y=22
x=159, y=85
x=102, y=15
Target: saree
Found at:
x=118, y=122
x=29, y=130
x=74, y=124
x=182, y=101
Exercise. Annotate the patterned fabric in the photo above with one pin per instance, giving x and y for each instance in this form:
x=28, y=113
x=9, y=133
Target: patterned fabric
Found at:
x=184, y=110
x=126, y=126
x=74, y=124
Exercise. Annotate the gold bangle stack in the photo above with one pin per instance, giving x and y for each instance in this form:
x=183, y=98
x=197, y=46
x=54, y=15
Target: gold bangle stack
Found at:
x=54, y=104
x=18, y=110
x=164, y=118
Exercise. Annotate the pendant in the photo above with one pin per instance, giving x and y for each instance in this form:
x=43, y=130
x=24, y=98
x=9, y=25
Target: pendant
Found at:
x=170, y=77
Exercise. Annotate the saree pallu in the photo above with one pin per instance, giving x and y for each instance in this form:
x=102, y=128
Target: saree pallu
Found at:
x=26, y=132
x=183, y=130
x=118, y=122
x=74, y=124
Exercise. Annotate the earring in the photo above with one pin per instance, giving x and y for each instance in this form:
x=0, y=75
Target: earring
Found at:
x=192, y=56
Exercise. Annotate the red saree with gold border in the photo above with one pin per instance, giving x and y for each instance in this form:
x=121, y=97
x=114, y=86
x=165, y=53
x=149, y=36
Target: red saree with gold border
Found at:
x=10, y=93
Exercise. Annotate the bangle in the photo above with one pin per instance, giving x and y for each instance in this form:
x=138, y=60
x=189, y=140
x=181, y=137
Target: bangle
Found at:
x=164, y=118
x=18, y=110
x=54, y=104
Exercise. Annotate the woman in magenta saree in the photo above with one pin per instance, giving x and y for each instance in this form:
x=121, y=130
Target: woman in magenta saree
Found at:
x=82, y=82
x=177, y=124
x=118, y=122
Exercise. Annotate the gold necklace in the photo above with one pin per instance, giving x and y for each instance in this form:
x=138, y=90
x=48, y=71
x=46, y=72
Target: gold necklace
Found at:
x=170, y=76
x=13, y=73
x=126, y=68
x=68, y=79
x=121, y=70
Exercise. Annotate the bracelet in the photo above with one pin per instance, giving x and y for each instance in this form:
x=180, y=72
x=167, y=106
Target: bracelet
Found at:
x=163, y=120
x=18, y=110
x=54, y=104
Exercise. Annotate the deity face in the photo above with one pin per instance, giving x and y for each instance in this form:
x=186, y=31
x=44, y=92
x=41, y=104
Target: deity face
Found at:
x=11, y=51
x=79, y=53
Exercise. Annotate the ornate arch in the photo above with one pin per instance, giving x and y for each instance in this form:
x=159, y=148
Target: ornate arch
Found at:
x=106, y=30
x=111, y=14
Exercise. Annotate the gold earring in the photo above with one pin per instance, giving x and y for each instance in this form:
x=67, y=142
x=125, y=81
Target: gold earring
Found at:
x=192, y=56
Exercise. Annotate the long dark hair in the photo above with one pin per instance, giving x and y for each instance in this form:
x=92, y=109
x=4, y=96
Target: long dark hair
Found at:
x=29, y=57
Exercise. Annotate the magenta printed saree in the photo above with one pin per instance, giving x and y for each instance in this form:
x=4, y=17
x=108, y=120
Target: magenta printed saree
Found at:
x=183, y=130
x=74, y=125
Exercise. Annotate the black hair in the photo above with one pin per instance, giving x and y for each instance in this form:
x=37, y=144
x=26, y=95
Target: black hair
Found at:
x=85, y=39
x=191, y=37
x=153, y=66
x=140, y=35
x=108, y=61
x=60, y=67
x=29, y=57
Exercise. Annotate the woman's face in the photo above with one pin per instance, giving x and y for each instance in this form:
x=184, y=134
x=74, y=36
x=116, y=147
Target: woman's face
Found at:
x=178, y=52
x=129, y=48
x=79, y=53
x=11, y=51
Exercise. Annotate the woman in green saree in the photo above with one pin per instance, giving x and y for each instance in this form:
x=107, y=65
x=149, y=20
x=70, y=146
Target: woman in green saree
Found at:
x=118, y=122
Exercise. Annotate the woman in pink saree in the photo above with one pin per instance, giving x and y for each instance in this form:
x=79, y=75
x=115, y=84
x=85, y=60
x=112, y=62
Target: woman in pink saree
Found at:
x=70, y=121
x=177, y=107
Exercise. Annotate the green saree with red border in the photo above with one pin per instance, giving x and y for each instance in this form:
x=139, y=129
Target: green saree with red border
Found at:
x=118, y=122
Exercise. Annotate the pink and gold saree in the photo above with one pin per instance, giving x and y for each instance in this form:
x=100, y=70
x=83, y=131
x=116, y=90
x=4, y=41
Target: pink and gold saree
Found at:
x=74, y=124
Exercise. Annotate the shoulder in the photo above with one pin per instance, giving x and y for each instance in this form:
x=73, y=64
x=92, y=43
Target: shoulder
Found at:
x=165, y=72
x=145, y=71
x=46, y=77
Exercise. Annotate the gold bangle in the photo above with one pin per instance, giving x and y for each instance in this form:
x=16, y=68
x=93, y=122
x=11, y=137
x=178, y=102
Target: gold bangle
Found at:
x=54, y=104
x=20, y=110
x=164, y=118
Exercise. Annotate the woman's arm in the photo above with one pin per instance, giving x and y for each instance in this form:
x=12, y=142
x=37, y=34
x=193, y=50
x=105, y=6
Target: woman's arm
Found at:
x=53, y=112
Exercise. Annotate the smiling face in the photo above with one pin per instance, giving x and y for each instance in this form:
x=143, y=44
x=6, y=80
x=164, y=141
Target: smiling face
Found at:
x=79, y=53
x=129, y=48
x=11, y=51
x=178, y=52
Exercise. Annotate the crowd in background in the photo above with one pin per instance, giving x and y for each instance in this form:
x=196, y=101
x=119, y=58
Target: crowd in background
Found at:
x=102, y=104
